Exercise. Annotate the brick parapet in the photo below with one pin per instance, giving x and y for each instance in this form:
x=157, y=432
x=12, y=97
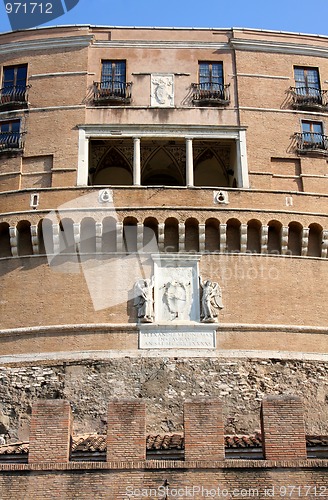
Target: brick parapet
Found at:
x=283, y=428
x=204, y=430
x=50, y=431
x=126, y=430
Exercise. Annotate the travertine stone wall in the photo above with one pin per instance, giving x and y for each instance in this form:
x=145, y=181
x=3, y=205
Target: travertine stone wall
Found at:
x=164, y=384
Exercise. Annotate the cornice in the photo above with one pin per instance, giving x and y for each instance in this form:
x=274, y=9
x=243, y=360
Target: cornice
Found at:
x=158, y=44
x=190, y=131
x=278, y=47
x=46, y=44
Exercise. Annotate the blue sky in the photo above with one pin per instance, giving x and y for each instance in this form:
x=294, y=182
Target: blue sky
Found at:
x=283, y=15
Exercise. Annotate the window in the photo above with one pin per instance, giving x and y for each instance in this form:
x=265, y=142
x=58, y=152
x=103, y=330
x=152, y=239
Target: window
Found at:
x=113, y=76
x=14, y=84
x=10, y=135
x=211, y=89
x=306, y=79
x=312, y=135
x=307, y=92
x=113, y=85
x=211, y=76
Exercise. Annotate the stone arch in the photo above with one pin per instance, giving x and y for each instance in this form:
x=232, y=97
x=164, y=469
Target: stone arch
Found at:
x=67, y=243
x=233, y=235
x=88, y=236
x=113, y=169
x=254, y=236
x=24, y=240
x=171, y=235
x=46, y=241
x=130, y=234
x=150, y=233
x=315, y=240
x=5, y=248
x=162, y=168
x=274, y=237
x=192, y=235
x=109, y=235
x=209, y=170
x=212, y=235
x=295, y=238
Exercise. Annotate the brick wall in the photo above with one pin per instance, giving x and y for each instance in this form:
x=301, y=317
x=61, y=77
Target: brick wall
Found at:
x=50, y=431
x=129, y=475
x=283, y=428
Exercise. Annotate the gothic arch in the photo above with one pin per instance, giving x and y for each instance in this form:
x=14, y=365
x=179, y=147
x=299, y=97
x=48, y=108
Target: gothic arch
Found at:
x=113, y=169
x=209, y=170
x=161, y=168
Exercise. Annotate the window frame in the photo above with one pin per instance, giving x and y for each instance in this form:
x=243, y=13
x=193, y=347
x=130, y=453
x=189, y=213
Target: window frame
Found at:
x=210, y=83
x=10, y=138
x=110, y=78
x=14, y=82
x=307, y=84
x=313, y=139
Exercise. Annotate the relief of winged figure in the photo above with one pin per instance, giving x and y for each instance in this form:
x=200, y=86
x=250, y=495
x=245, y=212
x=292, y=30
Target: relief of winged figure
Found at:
x=143, y=299
x=211, y=300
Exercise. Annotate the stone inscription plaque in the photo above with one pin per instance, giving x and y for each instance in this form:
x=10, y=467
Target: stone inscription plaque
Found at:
x=178, y=339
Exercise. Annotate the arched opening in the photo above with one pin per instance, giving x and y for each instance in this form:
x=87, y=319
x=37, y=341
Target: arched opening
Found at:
x=212, y=235
x=191, y=235
x=109, y=235
x=274, y=237
x=162, y=168
x=24, y=240
x=209, y=170
x=150, y=235
x=46, y=241
x=233, y=235
x=113, y=169
x=254, y=236
x=5, y=249
x=130, y=234
x=295, y=238
x=67, y=243
x=88, y=236
x=171, y=235
x=315, y=240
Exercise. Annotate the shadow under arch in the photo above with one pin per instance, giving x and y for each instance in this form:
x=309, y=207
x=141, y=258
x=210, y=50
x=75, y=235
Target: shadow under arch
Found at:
x=113, y=169
x=162, y=169
x=315, y=240
x=209, y=170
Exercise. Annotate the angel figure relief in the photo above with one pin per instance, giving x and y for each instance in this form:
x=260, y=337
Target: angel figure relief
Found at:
x=211, y=300
x=143, y=299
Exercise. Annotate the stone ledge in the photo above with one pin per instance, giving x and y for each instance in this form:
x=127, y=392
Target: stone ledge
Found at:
x=168, y=464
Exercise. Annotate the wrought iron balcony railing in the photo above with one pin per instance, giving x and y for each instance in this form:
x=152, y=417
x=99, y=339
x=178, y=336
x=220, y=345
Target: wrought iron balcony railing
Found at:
x=14, y=96
x=111, y=92
x=311, y=141
x=11, y=141
x=213, y=94
x=309, y=97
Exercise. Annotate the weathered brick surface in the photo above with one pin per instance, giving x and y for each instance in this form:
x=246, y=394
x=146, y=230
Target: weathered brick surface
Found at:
x=204, y=430
x=283, y=428
x=126, y=431
x=50, y=431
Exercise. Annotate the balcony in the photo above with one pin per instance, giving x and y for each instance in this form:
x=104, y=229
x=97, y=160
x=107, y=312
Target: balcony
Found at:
x=208, y=94
x=309, y=98
x=11, y=142
x=14, y=97
x=312, y=142
x=112, y=92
